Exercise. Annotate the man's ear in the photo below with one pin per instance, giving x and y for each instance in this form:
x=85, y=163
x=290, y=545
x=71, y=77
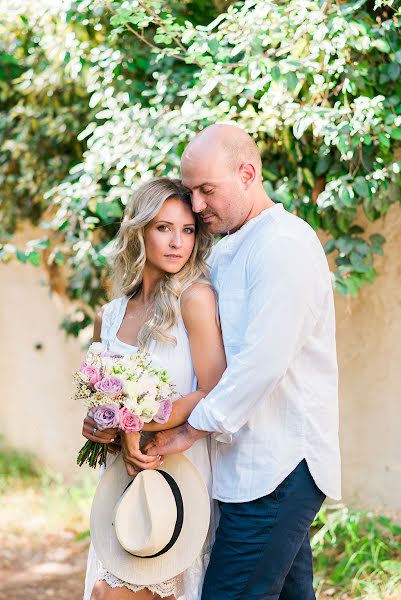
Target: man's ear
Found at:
x=247, y=174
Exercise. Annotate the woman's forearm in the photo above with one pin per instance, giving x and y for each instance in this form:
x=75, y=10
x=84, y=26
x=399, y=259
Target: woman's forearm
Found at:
x=180, y=412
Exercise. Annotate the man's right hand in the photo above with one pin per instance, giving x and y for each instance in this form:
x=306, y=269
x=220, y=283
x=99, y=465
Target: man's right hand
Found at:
x=135, y=460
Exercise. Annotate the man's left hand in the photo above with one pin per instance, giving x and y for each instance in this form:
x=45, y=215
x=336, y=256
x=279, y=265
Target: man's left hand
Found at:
x=173, y=441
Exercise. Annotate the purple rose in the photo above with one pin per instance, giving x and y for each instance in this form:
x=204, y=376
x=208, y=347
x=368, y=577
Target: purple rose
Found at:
x=92, y=373
x=107, y=416
x=129, y=422
x=163, y=414
x=109, y=385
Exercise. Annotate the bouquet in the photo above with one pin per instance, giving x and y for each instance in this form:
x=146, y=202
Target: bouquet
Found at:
x=120, y=391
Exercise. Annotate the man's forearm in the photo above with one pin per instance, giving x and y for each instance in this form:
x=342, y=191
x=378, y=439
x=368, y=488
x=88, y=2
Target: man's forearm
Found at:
x=174, y=441
x=195, y=434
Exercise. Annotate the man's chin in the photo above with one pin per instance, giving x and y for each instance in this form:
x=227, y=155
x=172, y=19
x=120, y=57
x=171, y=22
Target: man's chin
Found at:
x=215, y=227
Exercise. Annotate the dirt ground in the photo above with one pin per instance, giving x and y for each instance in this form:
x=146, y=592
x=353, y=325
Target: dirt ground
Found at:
x=50, y=566
x=41, y=558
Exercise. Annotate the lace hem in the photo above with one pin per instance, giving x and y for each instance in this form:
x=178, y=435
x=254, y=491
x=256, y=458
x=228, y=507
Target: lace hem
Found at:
x=171, y=587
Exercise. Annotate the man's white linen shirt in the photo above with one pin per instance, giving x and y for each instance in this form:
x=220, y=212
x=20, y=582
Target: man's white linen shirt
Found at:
x=277, y=402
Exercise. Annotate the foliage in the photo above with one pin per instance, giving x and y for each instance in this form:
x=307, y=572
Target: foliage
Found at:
x=44, y=494
x=16, y=465
x=316, y=83
x=43, y=105
x=357, y=551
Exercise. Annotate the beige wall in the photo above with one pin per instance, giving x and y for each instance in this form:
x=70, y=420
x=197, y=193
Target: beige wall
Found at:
x=37, y=413
x=369, y=353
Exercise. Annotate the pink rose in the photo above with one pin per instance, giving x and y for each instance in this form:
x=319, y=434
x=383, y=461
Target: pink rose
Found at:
x=129, y=422
x=164, y=411
x=92, y=373
x=109, y=385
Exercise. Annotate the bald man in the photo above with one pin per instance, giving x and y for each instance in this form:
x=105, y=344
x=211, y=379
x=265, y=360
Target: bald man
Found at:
x=273, y=417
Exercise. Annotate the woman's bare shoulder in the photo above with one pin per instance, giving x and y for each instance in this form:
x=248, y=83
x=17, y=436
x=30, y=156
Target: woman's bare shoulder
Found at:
x=198, y=302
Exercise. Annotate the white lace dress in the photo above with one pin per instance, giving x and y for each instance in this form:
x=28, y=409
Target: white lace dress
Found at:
x=177, y=360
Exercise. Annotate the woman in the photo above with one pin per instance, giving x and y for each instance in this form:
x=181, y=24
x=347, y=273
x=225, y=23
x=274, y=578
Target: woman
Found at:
x=167, y=308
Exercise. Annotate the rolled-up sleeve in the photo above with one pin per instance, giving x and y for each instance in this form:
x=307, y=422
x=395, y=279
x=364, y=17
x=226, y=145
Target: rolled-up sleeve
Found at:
x=281, y=313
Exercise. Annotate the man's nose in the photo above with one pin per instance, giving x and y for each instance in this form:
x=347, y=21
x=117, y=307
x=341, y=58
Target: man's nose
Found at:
x=198, y=204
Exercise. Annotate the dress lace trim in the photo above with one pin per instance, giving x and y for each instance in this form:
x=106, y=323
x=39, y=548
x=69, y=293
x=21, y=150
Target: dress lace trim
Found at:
x=171, y=587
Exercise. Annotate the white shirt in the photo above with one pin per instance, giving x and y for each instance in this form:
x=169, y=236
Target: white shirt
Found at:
x=277, y=402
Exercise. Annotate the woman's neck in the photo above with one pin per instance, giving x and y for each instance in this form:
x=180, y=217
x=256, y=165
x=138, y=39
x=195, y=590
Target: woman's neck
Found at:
x=150, y=283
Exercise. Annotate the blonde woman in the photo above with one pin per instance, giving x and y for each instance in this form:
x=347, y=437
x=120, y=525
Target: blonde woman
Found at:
x=165, y=305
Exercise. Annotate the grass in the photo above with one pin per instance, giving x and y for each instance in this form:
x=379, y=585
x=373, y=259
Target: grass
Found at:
x=357, y=554
x=29, y=488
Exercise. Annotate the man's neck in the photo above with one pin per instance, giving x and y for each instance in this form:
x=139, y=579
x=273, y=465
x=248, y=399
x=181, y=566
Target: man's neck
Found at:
x=261, y=203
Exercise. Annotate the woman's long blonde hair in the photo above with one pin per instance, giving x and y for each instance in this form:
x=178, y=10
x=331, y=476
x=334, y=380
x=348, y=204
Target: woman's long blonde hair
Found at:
x=129, y=258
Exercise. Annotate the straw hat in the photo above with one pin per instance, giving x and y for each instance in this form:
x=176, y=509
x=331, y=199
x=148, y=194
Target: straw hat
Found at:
x=150, y=528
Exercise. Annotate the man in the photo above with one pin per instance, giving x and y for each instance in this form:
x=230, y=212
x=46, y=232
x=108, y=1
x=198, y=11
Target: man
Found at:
x=273, y=415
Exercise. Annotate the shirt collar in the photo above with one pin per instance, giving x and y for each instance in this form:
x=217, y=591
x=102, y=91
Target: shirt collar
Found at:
x=278, y=207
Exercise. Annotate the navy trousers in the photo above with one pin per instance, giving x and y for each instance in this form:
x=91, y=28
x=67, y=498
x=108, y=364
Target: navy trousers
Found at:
x=262, y=549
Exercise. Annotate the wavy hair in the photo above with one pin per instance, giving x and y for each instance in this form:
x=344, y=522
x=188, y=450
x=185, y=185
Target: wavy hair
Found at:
x=129, y=258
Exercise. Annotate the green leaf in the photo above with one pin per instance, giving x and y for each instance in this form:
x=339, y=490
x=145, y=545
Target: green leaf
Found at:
x=59, y=257
x=292, y=81
x=355, y=229
x=275, y=73
x=329, y=246
x=323, y=164
x=395, y=134
x=83, y=535
x=21, y=255
x=109, y=210
x=34, y=258
x=63, y=225
x=347, y=195
x=394, y=71
x=301, y=126
x=340, y=287
x=352, y=286
x=392, y=567
x=377, y=242
x=384, y=140
x=361, y=187
x=382, y=45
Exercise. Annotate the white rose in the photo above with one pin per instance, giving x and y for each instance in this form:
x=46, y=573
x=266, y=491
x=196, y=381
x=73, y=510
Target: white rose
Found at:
x=107, y=364
x=126, y=363
x=165, y=390
x=147, y=385
x=148, y=407
x=123, y=376
x=131, y=389
x=132, y=406
x=96, y=348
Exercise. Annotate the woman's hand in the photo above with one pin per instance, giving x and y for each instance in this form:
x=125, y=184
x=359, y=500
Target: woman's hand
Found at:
x=91, y=432
x=135, y=460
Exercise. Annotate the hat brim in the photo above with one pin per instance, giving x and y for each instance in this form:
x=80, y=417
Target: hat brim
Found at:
x=147, y=571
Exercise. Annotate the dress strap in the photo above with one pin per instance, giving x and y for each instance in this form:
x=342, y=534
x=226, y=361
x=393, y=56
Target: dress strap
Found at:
x=113, y=315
